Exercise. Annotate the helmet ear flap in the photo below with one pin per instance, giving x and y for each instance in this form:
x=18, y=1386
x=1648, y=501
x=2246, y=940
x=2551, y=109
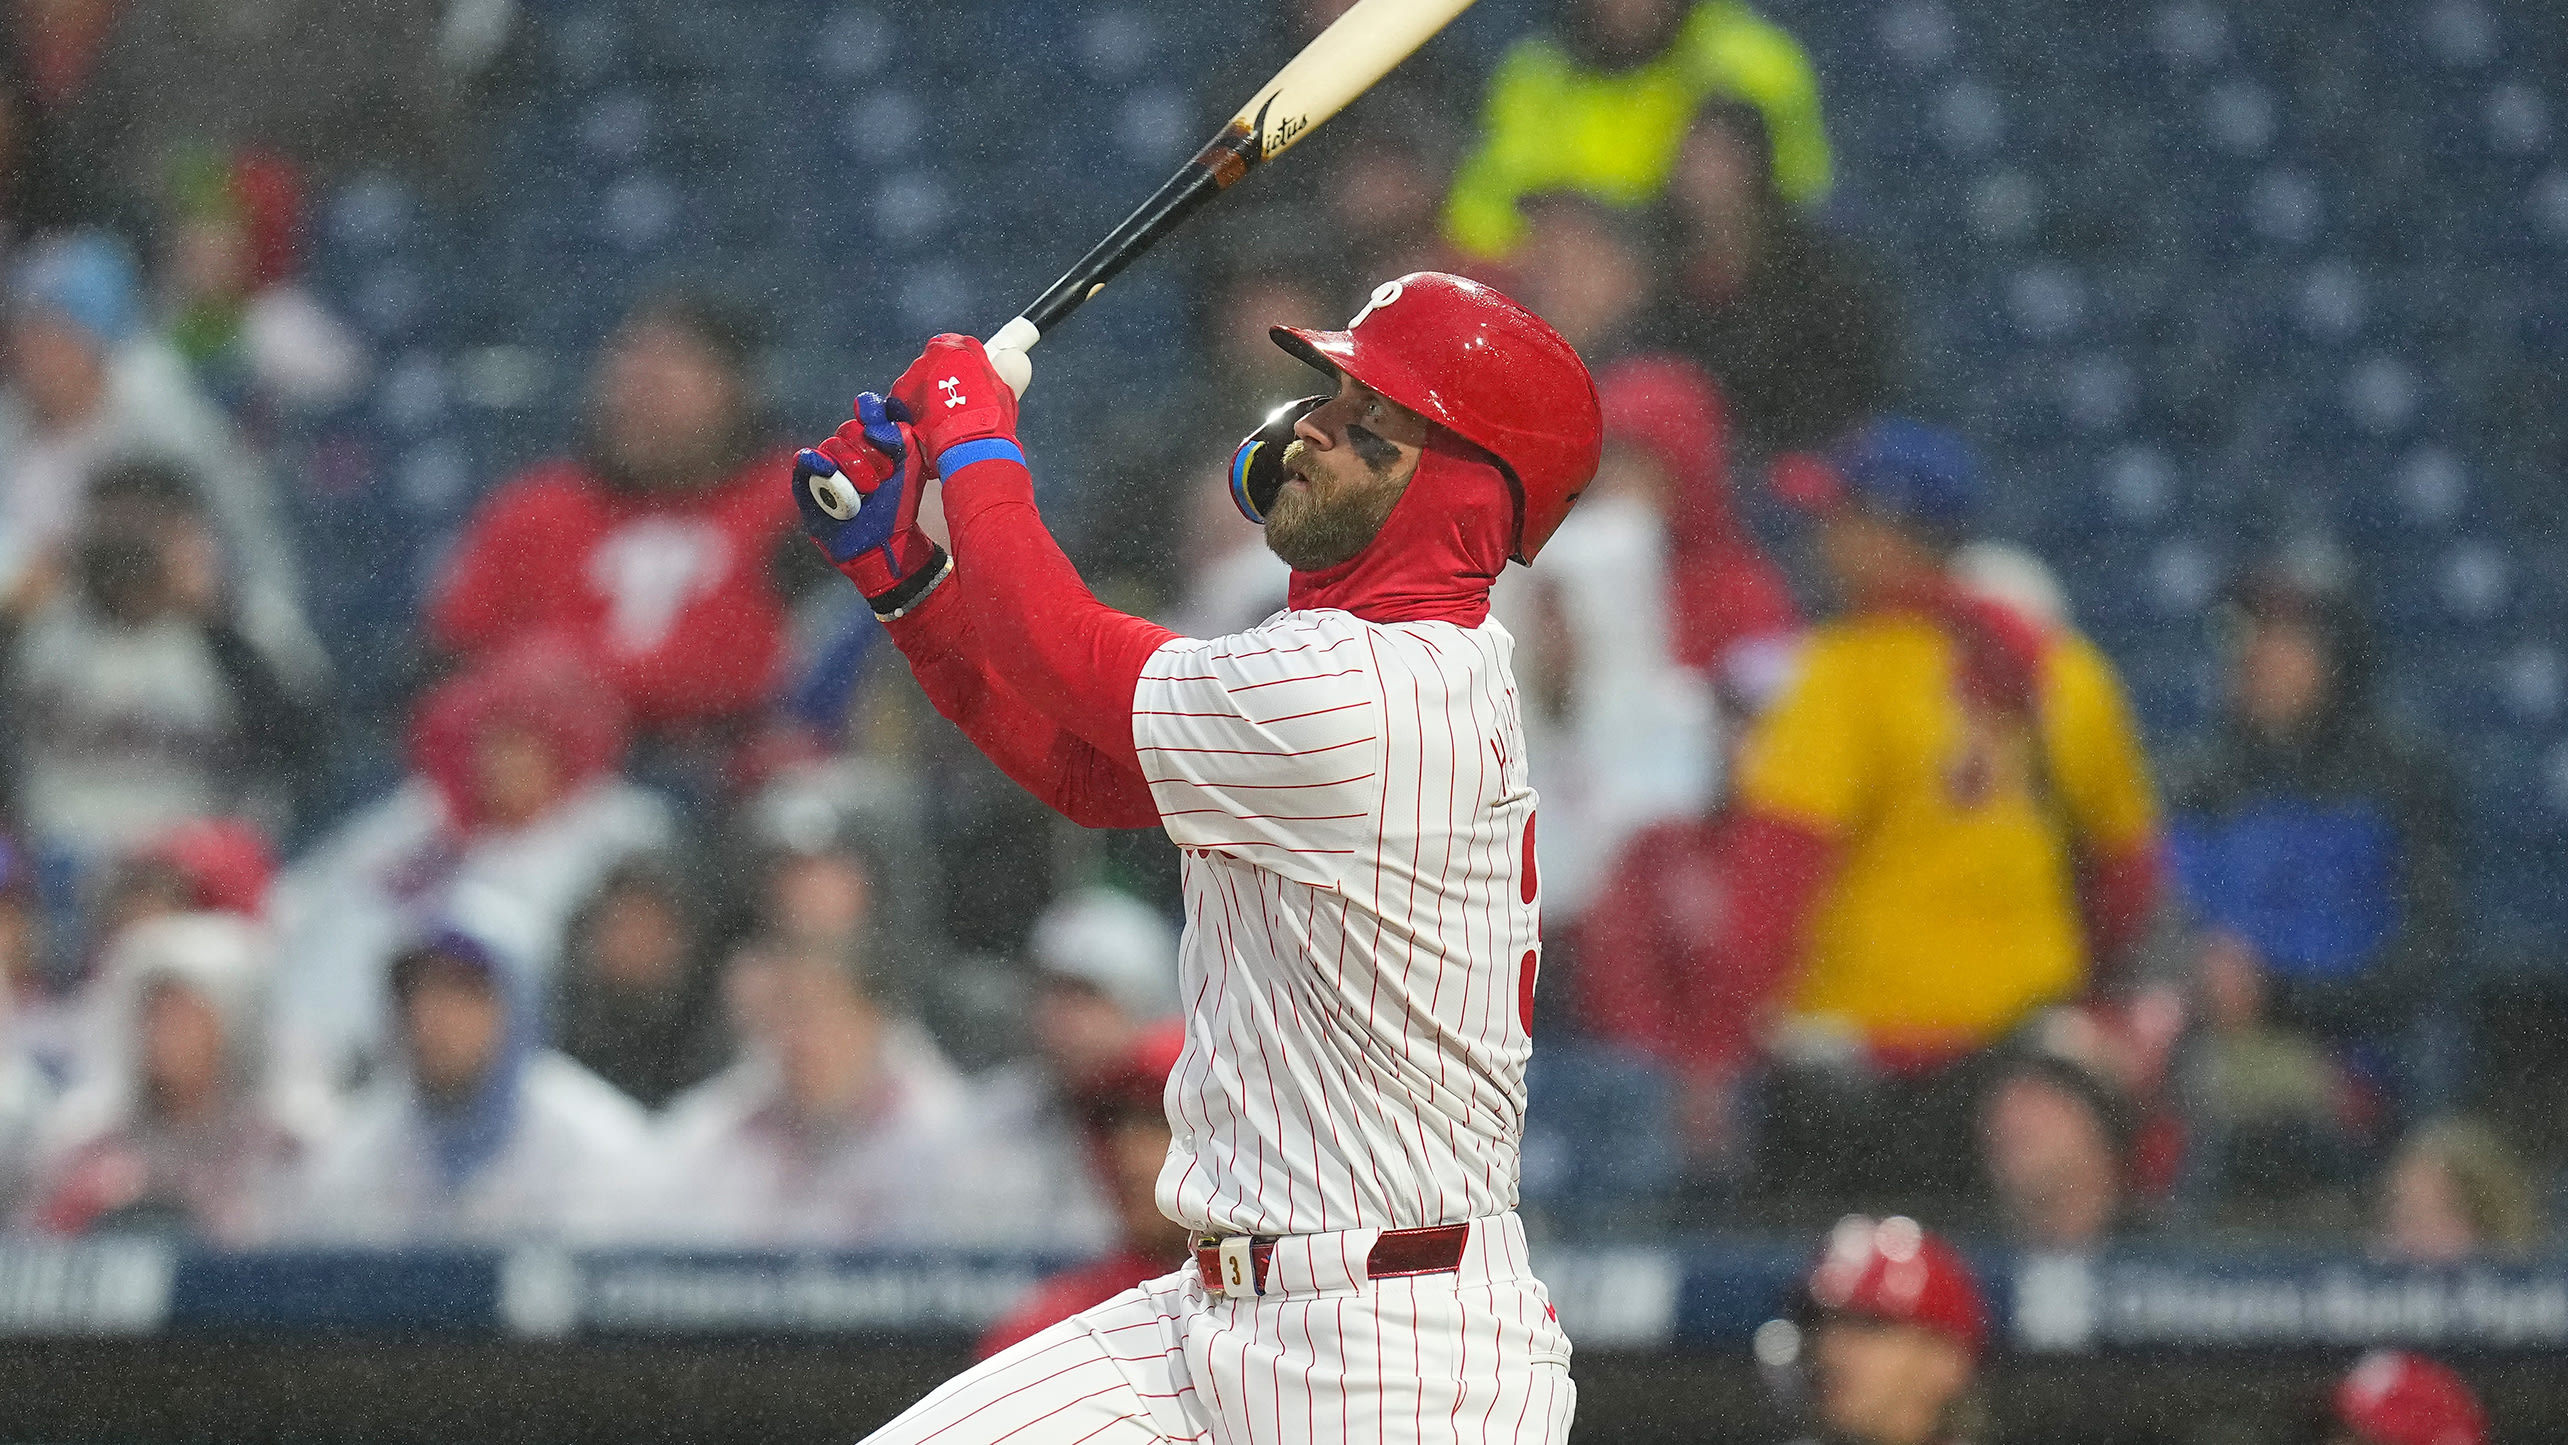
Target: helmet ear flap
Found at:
x=1257, y=467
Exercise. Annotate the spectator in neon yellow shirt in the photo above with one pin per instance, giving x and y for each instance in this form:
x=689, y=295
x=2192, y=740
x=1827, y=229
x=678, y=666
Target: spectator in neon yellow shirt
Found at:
x=1601, y=105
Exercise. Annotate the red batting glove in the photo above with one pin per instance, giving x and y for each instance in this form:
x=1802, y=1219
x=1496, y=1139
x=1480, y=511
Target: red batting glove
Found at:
x=955, y=398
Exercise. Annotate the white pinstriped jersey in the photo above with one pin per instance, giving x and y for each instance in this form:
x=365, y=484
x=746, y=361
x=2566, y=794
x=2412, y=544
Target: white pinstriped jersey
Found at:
x=1361, y=933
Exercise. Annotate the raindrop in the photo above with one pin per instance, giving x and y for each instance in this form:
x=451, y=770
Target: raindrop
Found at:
x=2461, y=32
x=617, y=125
x=2139, y=483
x=2192, y=34
x=884, y=124
x=2382, y=393
x=2098, y=392
x=584, y=45
x=2535, y=681
x=1969, y=117
x=1778, y=1344
x=2006, y=205
x=2284, y=206
x=2557, y=777
x=2518, y=119
x=934, y=295
x=434, y=477
x=1118, y=44
x=390, y=299
x=502, y=378
x=1152, y=125
x=2241, y=116
x=2474, y=580
x=2331, y=301
x=639, y=212
x=2181, y=577
x=909, y=207
x=370, y=215
x=2549, y=204
x=2048, y=301
x=412, y=395
x=1920, y=35
x=853, y=43
x=2432, y=484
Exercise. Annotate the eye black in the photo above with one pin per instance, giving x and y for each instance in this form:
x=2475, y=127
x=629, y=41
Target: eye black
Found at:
x=1375, y=451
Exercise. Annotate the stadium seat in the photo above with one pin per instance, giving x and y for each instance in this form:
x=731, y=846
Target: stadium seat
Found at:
x=1600, y=1141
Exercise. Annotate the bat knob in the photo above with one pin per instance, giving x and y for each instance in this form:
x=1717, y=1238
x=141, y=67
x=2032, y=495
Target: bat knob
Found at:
x=836, y=495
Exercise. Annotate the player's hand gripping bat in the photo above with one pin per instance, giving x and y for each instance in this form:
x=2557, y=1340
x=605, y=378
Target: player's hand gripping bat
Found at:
x=1339, y=64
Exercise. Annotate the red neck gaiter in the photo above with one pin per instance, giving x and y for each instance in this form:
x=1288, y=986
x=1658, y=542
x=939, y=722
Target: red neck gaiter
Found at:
x=1445, y=542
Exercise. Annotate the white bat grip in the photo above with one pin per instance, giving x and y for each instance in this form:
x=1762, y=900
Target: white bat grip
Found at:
x=1006, y=350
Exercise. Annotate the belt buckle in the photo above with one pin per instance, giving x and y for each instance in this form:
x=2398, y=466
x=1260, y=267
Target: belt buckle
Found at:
x=1236, y=1274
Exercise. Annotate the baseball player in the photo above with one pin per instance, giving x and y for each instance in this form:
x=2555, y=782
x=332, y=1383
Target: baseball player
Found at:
x=1347, y=784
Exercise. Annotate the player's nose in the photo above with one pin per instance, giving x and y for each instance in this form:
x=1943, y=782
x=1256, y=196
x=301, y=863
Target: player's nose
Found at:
x=1319, y=426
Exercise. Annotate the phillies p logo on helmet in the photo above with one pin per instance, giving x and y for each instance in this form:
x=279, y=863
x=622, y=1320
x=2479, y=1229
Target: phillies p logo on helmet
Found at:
x=1383, y=295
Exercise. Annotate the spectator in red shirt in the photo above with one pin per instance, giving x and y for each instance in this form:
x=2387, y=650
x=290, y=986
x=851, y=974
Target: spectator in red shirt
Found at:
x=656, y=551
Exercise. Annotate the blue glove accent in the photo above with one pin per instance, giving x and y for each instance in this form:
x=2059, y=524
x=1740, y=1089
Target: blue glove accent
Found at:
x=963, y=454
x=878, y=416
x=879, y=517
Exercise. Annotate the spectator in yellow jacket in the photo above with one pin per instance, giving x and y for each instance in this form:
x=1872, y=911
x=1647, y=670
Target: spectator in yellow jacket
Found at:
x=1601, y=105
x=1946, y=823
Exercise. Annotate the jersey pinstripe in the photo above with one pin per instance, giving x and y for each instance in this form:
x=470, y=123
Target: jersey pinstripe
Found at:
x=1361, y=932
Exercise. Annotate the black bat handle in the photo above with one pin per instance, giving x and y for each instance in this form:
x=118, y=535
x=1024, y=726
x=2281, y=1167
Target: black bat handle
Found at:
x=1222, y=162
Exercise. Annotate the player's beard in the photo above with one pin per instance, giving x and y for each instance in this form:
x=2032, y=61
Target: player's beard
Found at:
x=1327, y=521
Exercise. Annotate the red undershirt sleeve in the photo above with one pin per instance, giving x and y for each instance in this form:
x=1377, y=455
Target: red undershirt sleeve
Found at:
x=1070, y=775
x=1782, y=866
x=2122, y=888
x=1076, y=660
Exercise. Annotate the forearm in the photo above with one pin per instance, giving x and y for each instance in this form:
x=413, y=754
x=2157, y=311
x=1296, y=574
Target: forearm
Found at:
x=1070, y=776
x=1034, y=622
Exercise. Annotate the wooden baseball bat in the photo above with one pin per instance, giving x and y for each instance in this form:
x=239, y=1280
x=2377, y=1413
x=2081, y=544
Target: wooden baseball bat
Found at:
x=1341, y=63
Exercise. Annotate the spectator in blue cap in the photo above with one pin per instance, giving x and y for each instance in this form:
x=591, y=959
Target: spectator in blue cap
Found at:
x=91, y=382
x=1917, y=479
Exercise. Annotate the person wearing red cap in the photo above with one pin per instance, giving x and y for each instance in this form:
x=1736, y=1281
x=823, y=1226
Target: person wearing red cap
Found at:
x=1895, y=1328
x=2393, y=1397
x=1347, y=782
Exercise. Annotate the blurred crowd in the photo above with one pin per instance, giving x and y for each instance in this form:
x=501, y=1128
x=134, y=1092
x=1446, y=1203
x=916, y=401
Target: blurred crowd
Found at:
x=661, y=909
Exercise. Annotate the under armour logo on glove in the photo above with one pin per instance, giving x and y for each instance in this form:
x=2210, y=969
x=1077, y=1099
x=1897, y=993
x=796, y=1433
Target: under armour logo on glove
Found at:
x=952, y=387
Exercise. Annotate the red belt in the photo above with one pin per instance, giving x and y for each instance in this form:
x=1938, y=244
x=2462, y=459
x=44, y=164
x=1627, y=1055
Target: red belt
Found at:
x=1396, y=1254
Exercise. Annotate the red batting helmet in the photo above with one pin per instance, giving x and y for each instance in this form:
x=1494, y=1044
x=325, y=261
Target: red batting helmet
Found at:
x=1894, y=1271
x=2392, y=1397
x=1487, y=370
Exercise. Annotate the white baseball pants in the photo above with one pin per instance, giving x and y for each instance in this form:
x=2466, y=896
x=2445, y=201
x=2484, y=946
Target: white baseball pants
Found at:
x=1325, y=1355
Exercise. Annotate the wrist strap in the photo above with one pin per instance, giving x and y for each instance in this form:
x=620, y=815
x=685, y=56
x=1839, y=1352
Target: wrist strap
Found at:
x=904, y=598
x=985, y=449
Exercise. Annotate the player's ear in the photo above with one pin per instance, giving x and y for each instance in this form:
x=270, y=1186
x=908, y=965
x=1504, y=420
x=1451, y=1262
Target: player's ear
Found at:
x=1257, y=467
